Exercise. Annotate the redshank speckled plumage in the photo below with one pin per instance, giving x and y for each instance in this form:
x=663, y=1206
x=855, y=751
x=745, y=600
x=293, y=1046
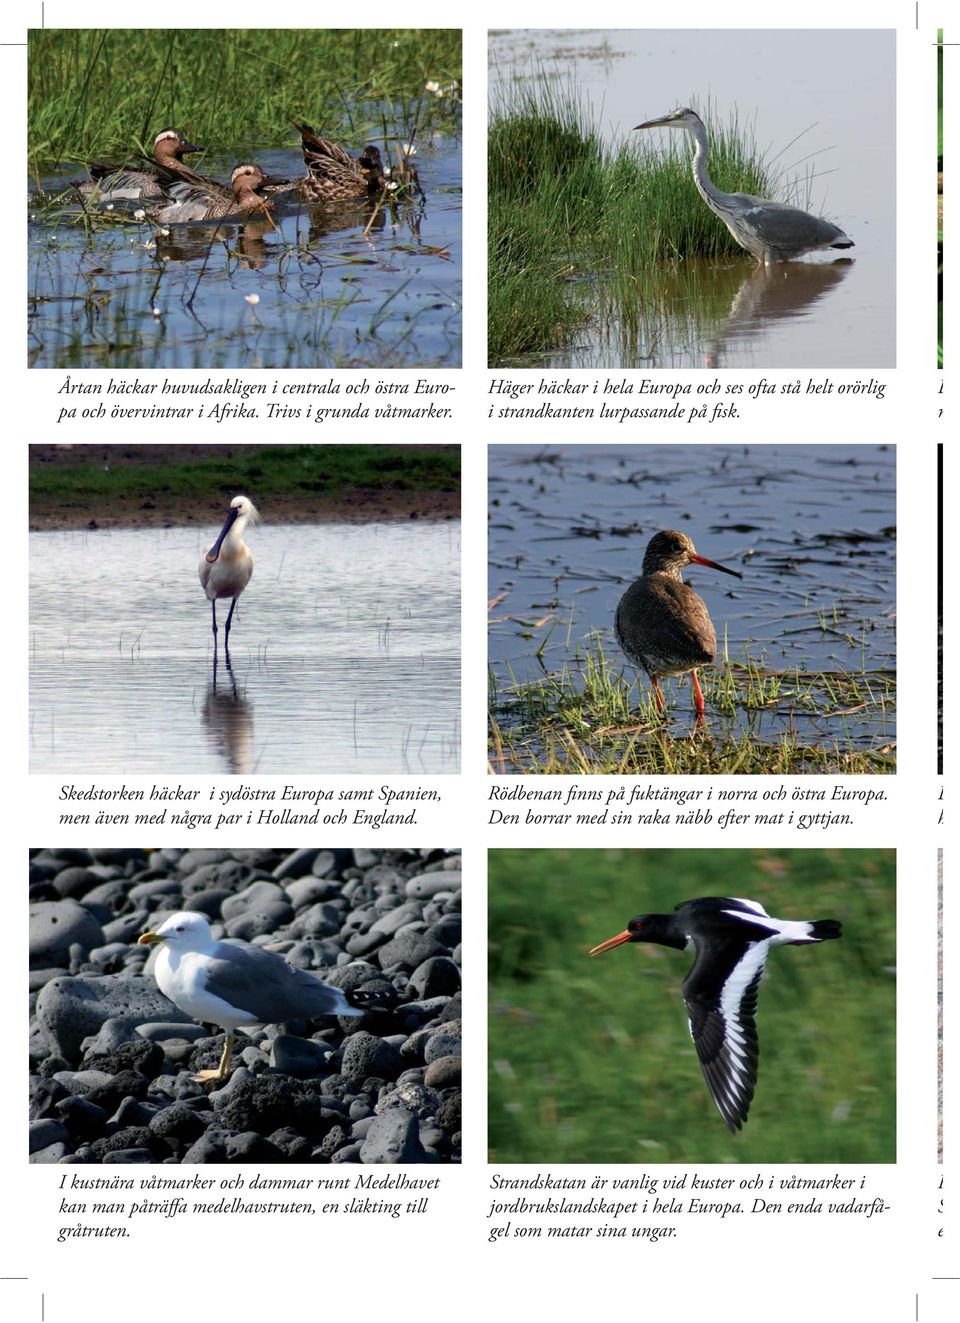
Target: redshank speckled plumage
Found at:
x=662, y=625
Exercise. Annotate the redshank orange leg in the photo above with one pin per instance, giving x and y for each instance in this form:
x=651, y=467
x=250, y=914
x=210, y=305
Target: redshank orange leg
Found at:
x=698, y=699
x=657, y=694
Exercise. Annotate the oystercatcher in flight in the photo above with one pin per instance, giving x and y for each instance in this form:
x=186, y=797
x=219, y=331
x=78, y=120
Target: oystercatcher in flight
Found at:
x=730, y=938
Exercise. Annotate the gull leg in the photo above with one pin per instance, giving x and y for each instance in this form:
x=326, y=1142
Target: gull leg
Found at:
x=217, y=1076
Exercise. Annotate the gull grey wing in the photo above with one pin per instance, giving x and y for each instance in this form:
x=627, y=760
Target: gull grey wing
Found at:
x=264, y=984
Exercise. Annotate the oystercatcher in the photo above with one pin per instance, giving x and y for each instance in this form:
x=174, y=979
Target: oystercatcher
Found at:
x=730, y=938
x=661, y=624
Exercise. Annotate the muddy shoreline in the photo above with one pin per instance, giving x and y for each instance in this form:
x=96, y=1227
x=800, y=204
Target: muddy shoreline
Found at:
x=168, y=508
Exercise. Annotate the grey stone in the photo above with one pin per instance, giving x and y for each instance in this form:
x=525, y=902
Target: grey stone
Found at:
x=408, y=950
x=393, y=1137
x=45, y=1132
x=297, y=864
x=161, y=1031
x=54, y=1153
x=443, y=1073
x=253, y=897
x=126, y=928
x=434, y=977
x=365, y=1055
x=258, y=920
x=428, y=884
x=316, y=921
x=442, y=1045
x=74, y=881
x=55, y=926
x=72, y=1009
x=415, y=1098
x=298, y=1056
x=392, y=922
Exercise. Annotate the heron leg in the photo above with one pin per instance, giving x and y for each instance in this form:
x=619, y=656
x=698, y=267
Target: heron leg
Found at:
x=657, y=693
x=217, y=1076
x=698, y=700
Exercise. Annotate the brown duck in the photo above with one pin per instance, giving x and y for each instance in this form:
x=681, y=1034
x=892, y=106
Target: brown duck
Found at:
x=111, y=183
x=205, y=199
x=332, y=173
x=661, y=624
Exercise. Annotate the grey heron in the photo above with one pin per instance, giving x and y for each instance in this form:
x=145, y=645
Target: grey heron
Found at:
x=772, y=231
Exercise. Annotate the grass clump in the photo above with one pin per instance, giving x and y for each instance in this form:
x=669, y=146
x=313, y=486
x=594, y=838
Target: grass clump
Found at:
x=102, y=92
x=576, y=230
x=591, y=1060
x=588, y=718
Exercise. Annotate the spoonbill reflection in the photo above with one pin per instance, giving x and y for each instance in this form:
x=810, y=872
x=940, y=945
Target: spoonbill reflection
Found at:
x=227, y=565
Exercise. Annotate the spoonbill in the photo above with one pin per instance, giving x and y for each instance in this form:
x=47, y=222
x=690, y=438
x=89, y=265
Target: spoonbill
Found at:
x=227, y=564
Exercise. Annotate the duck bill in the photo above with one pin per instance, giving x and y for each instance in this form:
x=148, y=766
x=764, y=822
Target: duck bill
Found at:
x=189, y=147
x=214, y=551
x=713, y=565
x=274, y=181
x=150, y=939
x=608, y=945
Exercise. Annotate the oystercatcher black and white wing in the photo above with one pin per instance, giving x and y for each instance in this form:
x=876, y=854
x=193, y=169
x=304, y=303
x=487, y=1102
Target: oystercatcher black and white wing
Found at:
x=731, y=938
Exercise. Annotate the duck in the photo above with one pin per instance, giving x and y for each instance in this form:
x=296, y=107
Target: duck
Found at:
x=333, y=175
x=198, y=199
x=112, y=183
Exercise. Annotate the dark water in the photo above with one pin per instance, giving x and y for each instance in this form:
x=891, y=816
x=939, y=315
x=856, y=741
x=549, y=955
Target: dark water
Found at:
x=810, y=527
x=345, y=653
x=330, y=292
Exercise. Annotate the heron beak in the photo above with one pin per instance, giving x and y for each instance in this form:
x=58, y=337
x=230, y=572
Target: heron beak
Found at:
x=608, y=945
x=150, y=939
x=665, y=122
x=702, y=560
x=214, y=551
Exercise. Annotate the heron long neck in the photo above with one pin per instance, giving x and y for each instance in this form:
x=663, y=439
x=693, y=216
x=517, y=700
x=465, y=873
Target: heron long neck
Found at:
x=711, y=195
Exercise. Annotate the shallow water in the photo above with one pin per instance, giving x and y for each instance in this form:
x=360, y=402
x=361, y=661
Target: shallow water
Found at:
x=329, y=294
x=345, y=653
x=810, y=527
x=820, y=102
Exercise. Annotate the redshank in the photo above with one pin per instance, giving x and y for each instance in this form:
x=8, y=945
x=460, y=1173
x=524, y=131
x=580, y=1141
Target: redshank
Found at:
x=661, y=624
x=731, y=939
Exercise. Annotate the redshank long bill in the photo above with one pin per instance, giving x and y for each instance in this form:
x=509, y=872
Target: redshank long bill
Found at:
x=662, y=625
x=731, y=939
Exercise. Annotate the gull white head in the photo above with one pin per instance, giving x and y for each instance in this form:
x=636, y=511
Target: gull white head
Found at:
x=186, y=932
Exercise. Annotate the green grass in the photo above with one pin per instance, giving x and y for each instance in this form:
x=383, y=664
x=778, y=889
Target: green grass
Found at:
x=104, y=92
x=591, y=1059
x=577, y=232
x=270, y=471
x=589, y=718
